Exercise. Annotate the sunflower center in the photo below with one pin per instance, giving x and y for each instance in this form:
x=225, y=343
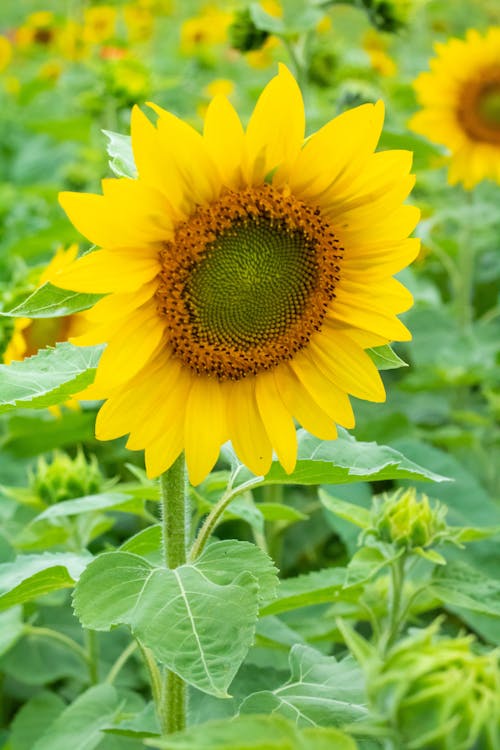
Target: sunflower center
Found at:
x=246, y=282
x=489, y=106
x=479, y=110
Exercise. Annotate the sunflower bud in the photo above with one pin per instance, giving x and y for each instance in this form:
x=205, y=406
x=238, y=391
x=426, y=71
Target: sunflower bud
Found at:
x=323, y=67
x=66, y=478
x=244, y=34
x=388, y=15
x=409, y=521
x=436, y=692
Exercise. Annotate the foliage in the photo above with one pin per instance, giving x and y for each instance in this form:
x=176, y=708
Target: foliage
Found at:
x=352, y=603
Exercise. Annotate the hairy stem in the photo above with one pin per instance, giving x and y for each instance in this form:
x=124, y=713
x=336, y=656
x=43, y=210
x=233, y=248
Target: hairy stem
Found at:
x=175, y=532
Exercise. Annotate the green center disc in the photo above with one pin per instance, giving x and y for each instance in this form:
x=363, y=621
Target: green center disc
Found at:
x=252, y=284
x=489, y=106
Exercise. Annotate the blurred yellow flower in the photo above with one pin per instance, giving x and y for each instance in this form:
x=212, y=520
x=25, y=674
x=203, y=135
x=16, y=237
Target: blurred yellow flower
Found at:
x=32, y=334
x=251, y=273
x=265, y=56
x=324, y=25
x=139, y=22
x=460, y=97
x=206, y=29
x=50, y=70
x=376, y=48
x=99, y=23
x=39, y=29
x=219, y=87
x=5, y=52
x=71, y=43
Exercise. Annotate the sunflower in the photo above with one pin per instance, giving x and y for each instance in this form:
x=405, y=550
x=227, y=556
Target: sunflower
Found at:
x=461, y=105
x=31, y=334
x=246, y=272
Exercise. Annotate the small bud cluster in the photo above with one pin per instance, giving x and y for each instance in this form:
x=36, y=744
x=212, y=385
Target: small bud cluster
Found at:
x=438, y=692
x=388, y=15
x=66, y=478
x=408, y=521
x=244, y=34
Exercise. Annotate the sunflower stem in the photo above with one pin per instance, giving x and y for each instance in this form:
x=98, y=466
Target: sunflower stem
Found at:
x=175, y=530
x=466, y=263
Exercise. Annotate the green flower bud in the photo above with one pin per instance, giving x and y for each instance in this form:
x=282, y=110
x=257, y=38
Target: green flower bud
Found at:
x=244, y=34
x=436, y=693
x=66, y=478
x=408, y=521
x=323, y=67
x=389, y=15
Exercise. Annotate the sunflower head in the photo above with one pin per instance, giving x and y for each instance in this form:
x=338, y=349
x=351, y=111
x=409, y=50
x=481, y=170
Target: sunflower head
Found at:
x=460, y=100
x=253, y=270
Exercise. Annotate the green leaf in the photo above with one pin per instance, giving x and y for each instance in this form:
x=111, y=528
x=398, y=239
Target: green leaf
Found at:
x=33, y=719
x=321, y=691
x=197, y=628
x=357, y=515
x=119, y=148
x=385, y=358
x=360, y=648
x=87, y=504
x=281, y=512
x=11, y=628
x=431, y=555
x=317, y=587
x=342, y=461
x=49, y=377
x=366, y=564
x=79, y=726
x=31, y=576
x=264, y=21
x=50, y=301
x=460, y=585
x=143, y=724
x=146, y=543
x=253, y=733
x=222, y=562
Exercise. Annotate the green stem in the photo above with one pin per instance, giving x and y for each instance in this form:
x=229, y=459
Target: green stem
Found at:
x=55, y=635
x=93, y=655
x=216, y=514
x=154, y=678
x=466, y=263
x=175, y=531
x=397, y=575
x=120, y=662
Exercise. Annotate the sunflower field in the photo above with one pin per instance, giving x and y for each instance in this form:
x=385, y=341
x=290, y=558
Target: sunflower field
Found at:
x=250, y=375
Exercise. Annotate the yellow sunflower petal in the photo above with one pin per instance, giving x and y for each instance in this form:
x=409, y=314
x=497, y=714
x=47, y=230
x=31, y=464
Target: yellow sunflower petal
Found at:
x=116, y=306
x=277, y=420
x=224, y=137
x=299, y=403
x=132, y=345
x=275, y=132
x=205, y=427
x=246, y=428
x=105, y=271
x=123, y=410
x=337, y=150
x=130, y=214
x=173, y=382
x=323, y=390
x=348, y=365
x=188, y=159
x=369, y=317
